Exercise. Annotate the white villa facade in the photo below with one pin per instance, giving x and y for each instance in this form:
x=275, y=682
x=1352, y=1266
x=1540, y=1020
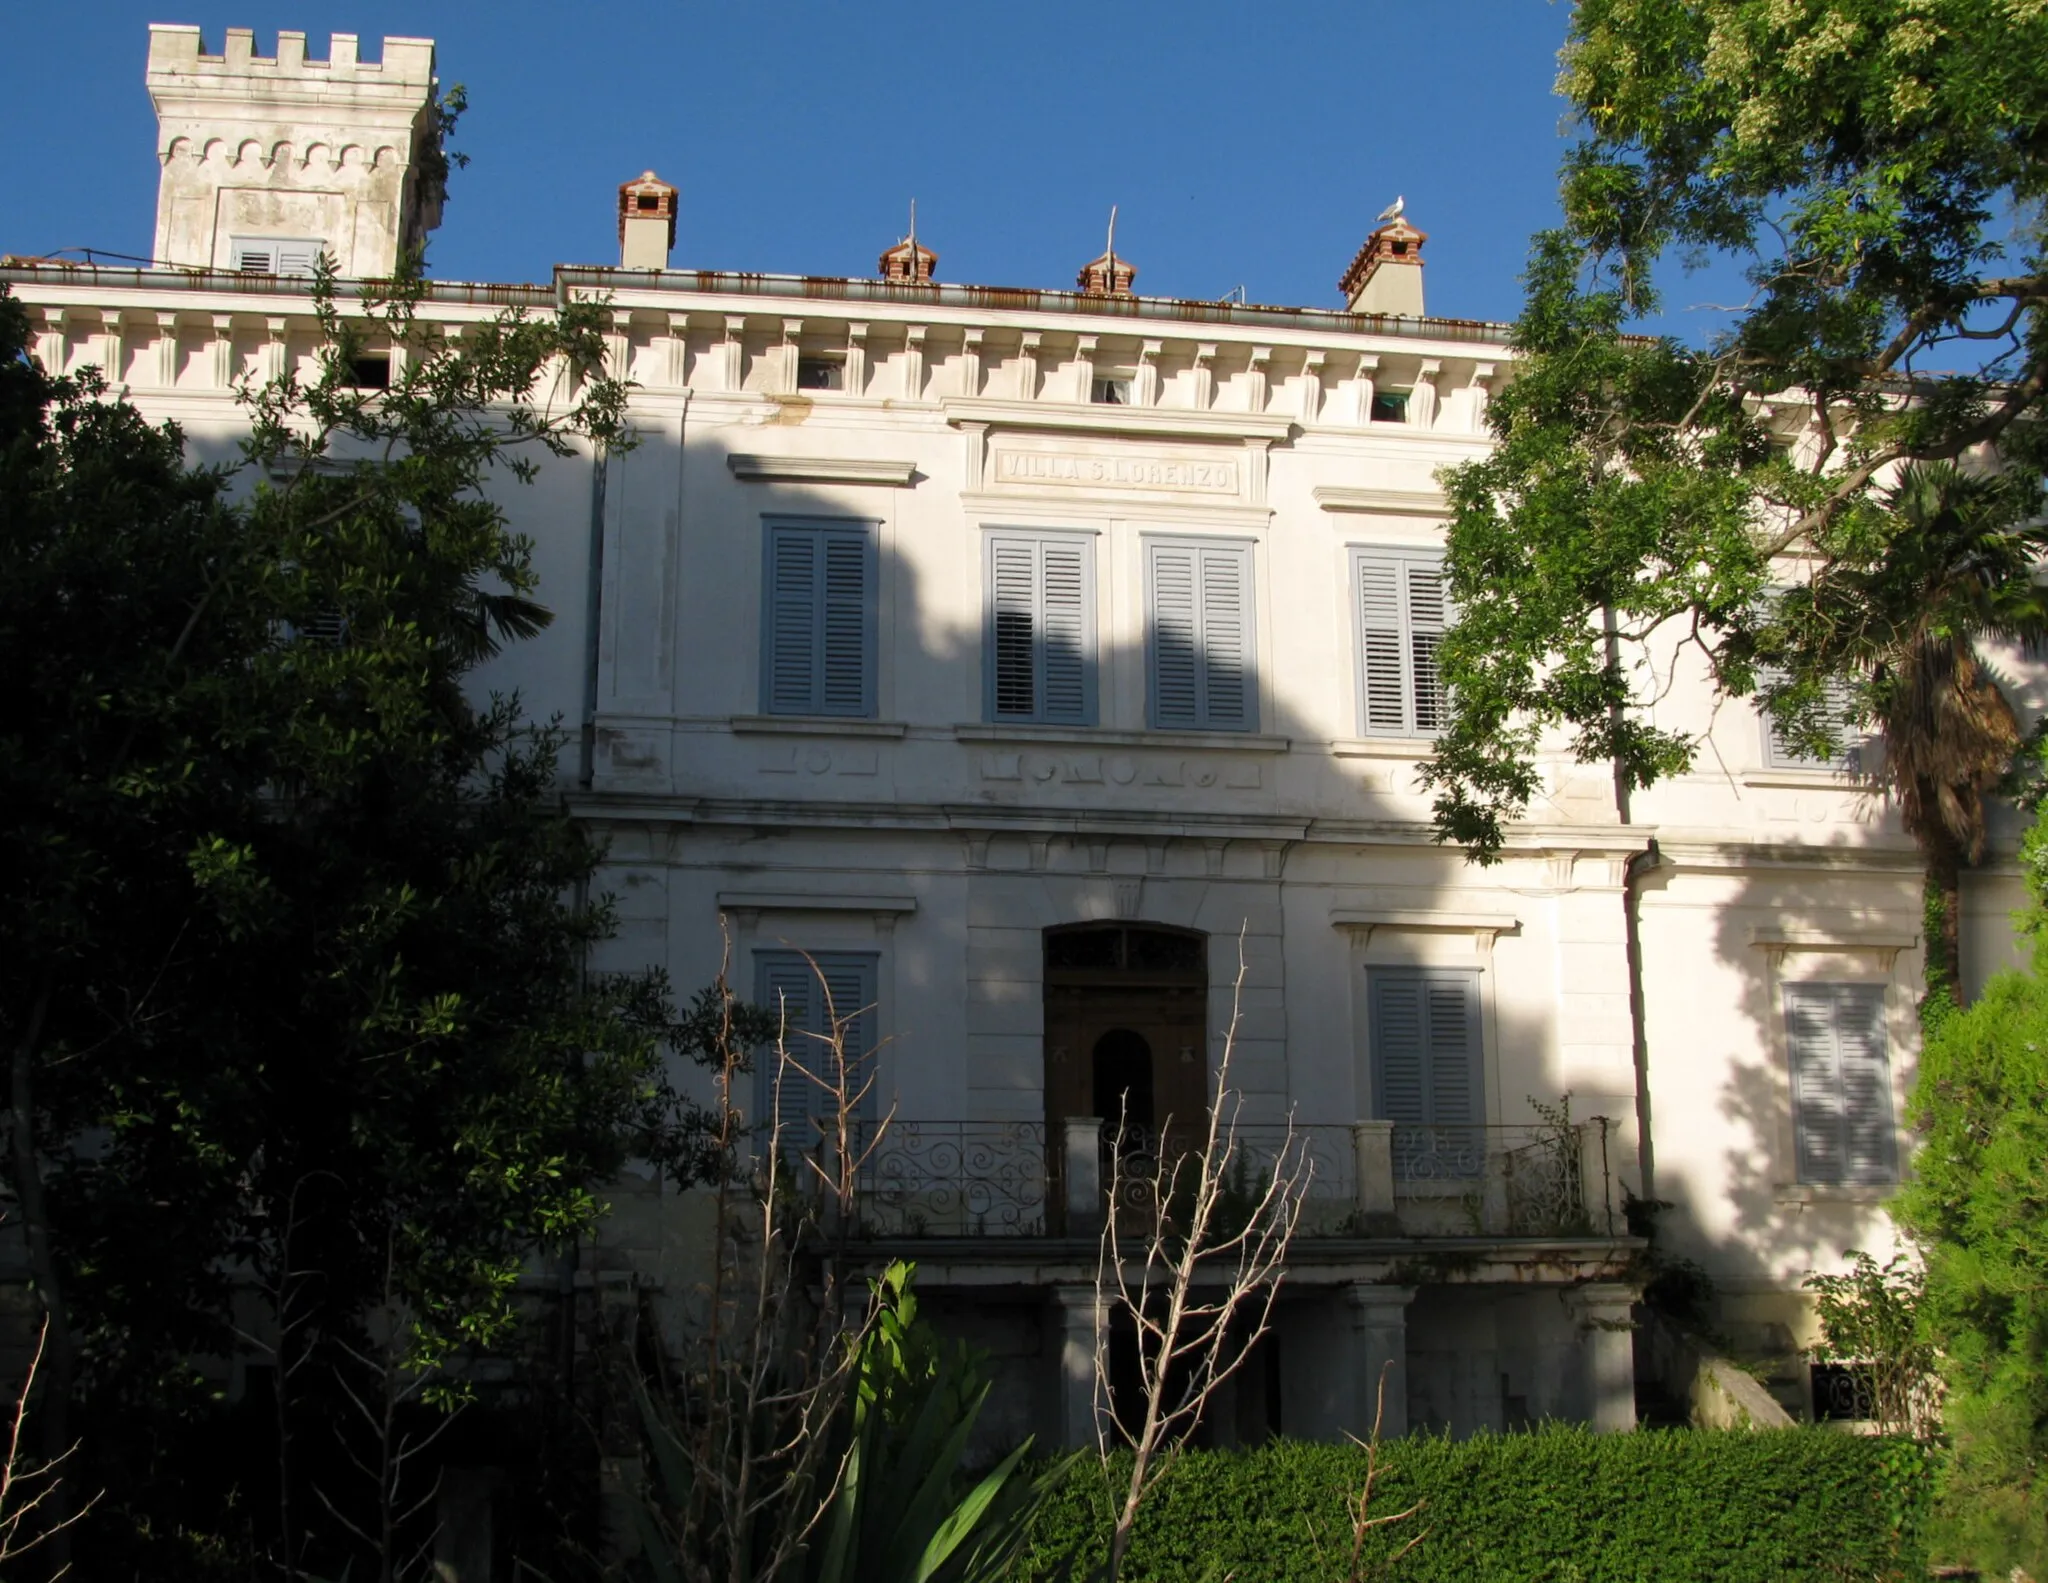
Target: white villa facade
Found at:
x=1030, y=659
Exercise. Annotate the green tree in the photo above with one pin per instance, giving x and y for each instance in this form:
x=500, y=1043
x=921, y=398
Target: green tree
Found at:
x=1958, y=568
x=303, y=1051
x=1877, y=165
x=1979, y=1203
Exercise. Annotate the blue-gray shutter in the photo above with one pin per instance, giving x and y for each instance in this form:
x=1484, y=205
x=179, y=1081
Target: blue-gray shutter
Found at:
x=1202, y=637
x=788, y=990
x=817, y=649
x=1227, y=702
x=809, y=994
x=1176, y=637
x=791, y=643
x=1426, y=1051
x=1869, y=1139
x=845, y=687
x=1041, y=629
x=1841, y=1083
x=1400, y=1046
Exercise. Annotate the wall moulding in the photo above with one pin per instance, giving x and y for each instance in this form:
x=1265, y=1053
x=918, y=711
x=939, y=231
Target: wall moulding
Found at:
x=1884, y=944
x=755, y=468
x=1382, y=502
x=1484, y=927
x=1094, y=418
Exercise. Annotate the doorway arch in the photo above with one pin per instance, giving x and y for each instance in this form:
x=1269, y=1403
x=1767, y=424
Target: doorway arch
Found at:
x=1126, y=1032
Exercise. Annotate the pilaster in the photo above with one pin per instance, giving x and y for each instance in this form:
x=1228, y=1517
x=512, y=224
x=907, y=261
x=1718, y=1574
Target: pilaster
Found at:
x=1379, y=1357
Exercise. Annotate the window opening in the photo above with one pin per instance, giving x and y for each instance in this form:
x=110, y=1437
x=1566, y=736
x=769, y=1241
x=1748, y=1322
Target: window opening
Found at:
x=1389, y=406
x=820, y=373
x=1112, y=391
x=372, y=372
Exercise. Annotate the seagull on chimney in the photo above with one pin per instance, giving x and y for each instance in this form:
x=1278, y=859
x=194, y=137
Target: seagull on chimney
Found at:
x=1394, y=210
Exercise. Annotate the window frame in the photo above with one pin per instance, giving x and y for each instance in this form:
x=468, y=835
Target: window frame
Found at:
x=1403, y=556
x=821, y=529
x=1245, y=551
x=995, y=534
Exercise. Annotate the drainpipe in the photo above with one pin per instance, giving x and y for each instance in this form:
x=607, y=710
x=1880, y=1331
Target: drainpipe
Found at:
x=593, y=615
x=1640, y=866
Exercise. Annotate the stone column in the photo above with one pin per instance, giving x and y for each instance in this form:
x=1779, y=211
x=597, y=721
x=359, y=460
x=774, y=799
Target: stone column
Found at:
x=1083, y=1321
x=1379, y=1348
x=1607, y=1354
x=1372, y=1150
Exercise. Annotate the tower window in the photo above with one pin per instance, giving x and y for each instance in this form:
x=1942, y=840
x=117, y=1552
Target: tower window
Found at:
x=647, y=203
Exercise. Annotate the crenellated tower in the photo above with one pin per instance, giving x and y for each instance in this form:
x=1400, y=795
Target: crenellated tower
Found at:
x=269, y=161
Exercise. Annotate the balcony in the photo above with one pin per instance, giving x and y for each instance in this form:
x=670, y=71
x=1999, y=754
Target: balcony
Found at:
x=1372, y=1180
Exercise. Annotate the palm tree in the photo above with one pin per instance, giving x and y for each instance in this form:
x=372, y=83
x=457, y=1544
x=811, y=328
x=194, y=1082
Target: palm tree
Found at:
x=1958, y=569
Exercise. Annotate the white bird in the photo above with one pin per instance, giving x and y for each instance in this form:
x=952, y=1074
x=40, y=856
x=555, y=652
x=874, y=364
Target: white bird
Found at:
x=1394, y=210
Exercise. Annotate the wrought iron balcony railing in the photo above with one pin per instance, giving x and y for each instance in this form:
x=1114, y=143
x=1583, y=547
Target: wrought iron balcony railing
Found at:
x=1362, y=1179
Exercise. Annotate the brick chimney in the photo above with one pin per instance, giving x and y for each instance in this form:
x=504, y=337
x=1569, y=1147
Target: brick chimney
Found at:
x=1386, y=276
x=647, y=222
x=909, y=263
x=1108, y=276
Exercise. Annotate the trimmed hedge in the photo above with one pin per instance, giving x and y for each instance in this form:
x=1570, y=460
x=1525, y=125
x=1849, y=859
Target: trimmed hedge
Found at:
x=1558, y=1503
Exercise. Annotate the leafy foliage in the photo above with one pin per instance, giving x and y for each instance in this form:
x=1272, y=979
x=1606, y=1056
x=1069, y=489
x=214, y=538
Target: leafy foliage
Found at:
x=1870, y=1318
x=1559, y=1503
x=292, y=964
x=1878, y=164
x=1979, y=1203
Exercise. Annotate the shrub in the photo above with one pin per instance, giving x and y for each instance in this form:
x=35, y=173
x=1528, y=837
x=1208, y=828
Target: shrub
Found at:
x=1559, y=1503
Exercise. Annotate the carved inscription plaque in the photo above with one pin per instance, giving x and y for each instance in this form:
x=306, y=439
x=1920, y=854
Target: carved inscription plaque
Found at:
x=1179, y=474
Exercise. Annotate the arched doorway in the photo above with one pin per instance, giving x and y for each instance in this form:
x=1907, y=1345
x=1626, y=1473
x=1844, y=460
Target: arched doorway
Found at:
x=1126, y=1032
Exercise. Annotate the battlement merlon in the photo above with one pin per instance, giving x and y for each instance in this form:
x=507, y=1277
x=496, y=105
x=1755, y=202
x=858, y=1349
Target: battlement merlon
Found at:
x=174, y=55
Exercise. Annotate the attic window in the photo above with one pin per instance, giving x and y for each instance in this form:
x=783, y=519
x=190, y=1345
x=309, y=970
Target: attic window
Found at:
x=1113, y=391
x=372, y=372
x=1390, y=406
x=820, y=373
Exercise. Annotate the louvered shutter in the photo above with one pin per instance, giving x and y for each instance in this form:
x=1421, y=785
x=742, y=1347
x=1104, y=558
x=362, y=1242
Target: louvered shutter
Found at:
x=1064, y=603
x=297, y=258
x=1176, y=637
x=1226, y=639
x=1013, y=593
x=1041, y=629
x=809, y=993
x=817, y=649
x=792, y=650
x=1400, y=1048
x=1453, y=1051
x=788, y=990
x=1868, y=1138
x=1425, y=631
x=844, y=687
x=256, y=258
x=1402, y=612
x=1384, y=686
x=1202, y=637
x=1816, y=1081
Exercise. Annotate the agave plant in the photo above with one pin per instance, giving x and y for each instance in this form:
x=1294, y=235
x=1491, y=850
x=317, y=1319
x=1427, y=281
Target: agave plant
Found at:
x=891, y=1503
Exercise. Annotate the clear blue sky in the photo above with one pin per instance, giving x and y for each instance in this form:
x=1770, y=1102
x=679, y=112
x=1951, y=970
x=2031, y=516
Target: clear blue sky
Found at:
x=1245, y=144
